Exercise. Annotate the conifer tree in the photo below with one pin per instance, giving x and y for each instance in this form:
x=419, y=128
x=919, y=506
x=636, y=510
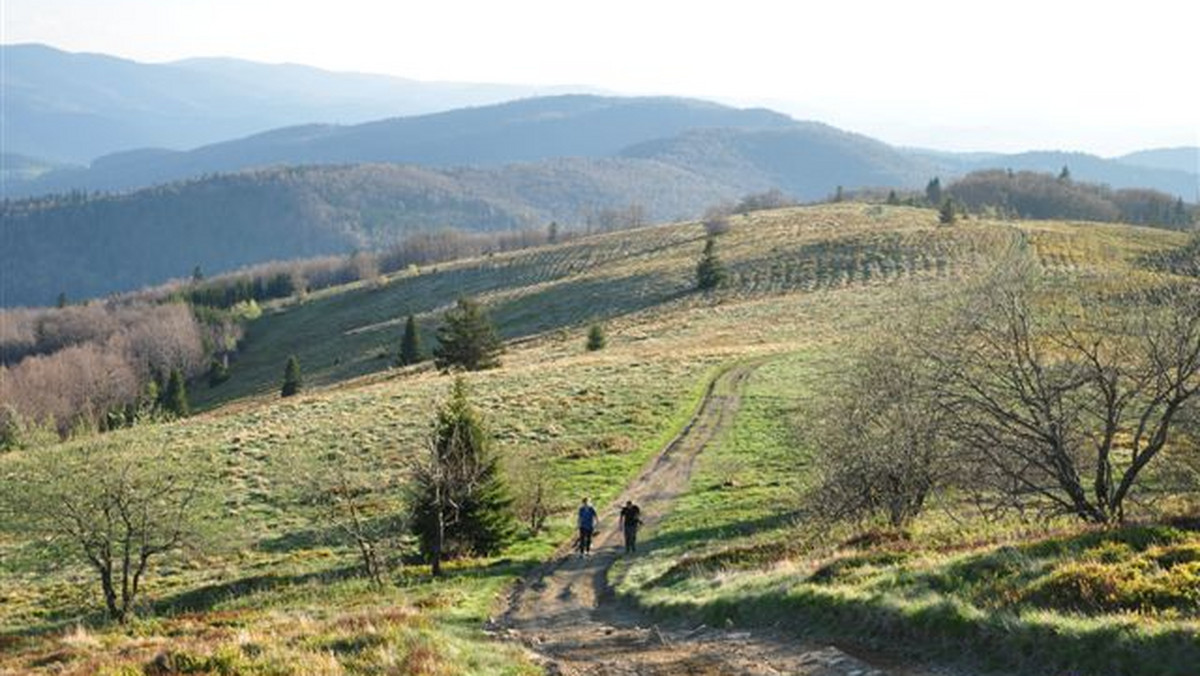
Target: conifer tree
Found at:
x=892, y=199
x=933, y=191
x=175, y=399
x=410, y=343
x=710, y=272
x=596, y=339
x=1065, y=174
x=291, y=377
x=467, y=340
x=218, y=371
x=461, y=504
x=946, y=215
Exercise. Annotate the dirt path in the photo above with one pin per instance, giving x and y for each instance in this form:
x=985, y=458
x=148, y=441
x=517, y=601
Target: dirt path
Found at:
x=567, y=614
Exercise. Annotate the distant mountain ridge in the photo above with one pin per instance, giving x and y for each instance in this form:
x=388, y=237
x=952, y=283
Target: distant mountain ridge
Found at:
x=71, y=107
x=519, y=131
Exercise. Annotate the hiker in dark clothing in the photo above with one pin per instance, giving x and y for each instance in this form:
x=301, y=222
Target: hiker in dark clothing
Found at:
x=587, y=526
x=631, y=518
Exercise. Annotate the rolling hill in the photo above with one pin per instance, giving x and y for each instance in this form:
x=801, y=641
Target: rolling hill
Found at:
x=1185, y=159
x=519, y=131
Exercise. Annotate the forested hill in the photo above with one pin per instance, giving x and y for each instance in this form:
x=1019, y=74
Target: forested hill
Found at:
x=520, y=131
x=87, y=246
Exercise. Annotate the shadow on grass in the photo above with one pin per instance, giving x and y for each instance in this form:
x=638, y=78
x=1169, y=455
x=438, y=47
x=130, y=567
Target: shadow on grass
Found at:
x=724, y=531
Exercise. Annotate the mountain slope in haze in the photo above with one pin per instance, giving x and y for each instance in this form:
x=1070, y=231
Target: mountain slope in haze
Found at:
x=807, y=160
x=89, y=246
x=1185, y=159
x=76, y=107
x=519, y=131
x=1117, y=173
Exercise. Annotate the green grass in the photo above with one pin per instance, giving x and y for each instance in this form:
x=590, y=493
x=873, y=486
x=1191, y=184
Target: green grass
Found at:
x=736, y=552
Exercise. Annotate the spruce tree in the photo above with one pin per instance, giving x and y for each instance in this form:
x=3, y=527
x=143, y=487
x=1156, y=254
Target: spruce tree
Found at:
x=946, y=215
x=175, y=399
x=933, y=191
x=218, y=372
x=410, y=343
x=461, y=504
x=710, y=272
x=467, y=340
x=892, y=199
x=291, y=377
x=1065, y=174
x=1181, y=216
x=596, y=339
x=61, y=302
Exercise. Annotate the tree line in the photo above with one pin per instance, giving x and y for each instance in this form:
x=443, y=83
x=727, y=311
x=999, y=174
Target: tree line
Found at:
x=98, y=367
x=1033, y=195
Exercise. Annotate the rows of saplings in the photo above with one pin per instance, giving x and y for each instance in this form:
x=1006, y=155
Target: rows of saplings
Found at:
x=118, y=505
x=1020, y=400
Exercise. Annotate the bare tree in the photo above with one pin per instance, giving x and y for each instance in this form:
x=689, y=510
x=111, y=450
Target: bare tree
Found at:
x=353, y=488
x=884, y=452
x=116, y=506
x=1065, y=412
x=716, y=219
x=535, y=494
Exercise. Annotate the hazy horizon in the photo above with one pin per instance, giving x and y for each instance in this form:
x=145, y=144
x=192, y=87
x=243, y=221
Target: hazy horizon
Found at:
x=1034, y=77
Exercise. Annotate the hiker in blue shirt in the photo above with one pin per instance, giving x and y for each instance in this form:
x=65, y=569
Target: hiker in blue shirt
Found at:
x=587, y=526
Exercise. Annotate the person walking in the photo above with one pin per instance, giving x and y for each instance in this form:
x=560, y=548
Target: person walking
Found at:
x=587, y=526
x=631, y=518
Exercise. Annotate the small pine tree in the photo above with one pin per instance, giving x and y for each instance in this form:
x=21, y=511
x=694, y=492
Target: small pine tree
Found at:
x=467, y=340
x=552, y=232
x=218, y=372
x=892, y=199
x=1065, y=174
x=933, y=191
x=197, y=274
x=61, y=301
x=710, y=272
x=840, y=195
x=291, y=377
x=175, y=399
x=1181, y=216
x=596, y=339
x=460, y=502
x=946, y=214
x=410, y=343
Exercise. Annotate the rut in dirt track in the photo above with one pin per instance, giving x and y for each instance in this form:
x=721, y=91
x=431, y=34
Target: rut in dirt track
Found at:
x=566, y=612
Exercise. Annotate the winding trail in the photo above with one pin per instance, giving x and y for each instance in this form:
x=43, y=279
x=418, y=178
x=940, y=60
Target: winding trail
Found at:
x=567, y=614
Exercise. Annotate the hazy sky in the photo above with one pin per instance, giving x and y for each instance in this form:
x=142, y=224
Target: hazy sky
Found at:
x=1101, y=77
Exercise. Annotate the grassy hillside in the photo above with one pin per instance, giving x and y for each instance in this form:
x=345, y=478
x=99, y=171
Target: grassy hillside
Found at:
x=1012, y=596
x=280, y=592
x=607, y=277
